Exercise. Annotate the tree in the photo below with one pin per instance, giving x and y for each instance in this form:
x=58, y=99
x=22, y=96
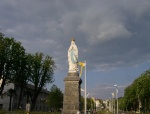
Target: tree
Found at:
x=11, y=92
x=143, y=90
x=11, y=50
x=55, y=98
x=1, y=50
x=1, y=43
x=91, y=105
x=42, y=70
x=138, y=92
x=122, y=105
x=82, y=103
x=22, y=74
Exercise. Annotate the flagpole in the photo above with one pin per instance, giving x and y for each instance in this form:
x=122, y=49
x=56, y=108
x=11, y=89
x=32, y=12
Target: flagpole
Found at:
x=85, y=107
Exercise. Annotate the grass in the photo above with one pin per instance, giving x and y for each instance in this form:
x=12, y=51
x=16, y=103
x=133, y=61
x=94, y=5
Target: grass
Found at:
x=23, y=112
x=104, y=112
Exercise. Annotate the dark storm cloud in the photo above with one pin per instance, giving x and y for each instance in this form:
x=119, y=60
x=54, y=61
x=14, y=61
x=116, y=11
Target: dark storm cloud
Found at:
x=109, y=34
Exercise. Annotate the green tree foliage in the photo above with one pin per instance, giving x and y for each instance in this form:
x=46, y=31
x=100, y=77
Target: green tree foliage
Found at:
x=1, y=43
x=82, y=103
x=41, y=70
x=1, y=50
x=91, y=105
x=138, y=93
x=11, y=53
x=14, y=63
x=18, y=67
x=22, y=73
x=55, y=98
x=122, y=103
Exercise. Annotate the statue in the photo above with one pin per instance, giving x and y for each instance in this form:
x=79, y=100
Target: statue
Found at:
x=72, y=93
x=73, y=57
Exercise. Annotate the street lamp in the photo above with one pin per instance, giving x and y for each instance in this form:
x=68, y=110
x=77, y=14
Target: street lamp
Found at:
x=116, y=96
x=113, y=102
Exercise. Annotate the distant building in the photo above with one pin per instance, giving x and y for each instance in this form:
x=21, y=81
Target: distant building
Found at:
x=106, y=103
x=109, y=104
x=98, y=104
x=41, y=104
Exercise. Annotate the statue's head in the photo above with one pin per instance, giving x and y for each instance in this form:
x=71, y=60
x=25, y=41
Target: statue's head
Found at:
x=72, y=39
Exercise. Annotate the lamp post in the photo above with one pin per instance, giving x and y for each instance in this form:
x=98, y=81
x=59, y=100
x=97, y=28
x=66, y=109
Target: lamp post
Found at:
x=113, y=102
x=116, y=96
x=85, y=100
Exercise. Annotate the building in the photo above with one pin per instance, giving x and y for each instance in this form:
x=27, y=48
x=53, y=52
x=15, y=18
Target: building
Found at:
x=98, y=104
x=109, y=104
x=41, y=104
x=106, y=103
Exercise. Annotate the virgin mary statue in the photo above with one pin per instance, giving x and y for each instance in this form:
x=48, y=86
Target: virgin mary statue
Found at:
x=73, y=57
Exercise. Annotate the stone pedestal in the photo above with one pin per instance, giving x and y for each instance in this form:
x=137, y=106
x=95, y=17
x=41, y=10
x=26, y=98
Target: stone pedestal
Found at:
x=72, y=94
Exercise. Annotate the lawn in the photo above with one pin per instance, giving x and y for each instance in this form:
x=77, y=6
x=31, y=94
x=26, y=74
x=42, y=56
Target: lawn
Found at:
x=104, y=112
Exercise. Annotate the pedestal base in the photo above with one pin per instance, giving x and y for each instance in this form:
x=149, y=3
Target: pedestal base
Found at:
x=71, y=103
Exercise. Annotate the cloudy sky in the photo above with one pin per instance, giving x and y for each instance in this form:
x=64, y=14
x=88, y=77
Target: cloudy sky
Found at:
x=112, y=35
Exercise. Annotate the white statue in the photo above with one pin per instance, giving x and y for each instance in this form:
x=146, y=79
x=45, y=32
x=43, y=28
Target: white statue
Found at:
x=73, y=57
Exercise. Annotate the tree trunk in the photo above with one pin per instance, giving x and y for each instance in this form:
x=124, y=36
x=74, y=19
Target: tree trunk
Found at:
x=10, y=101
x=20, y=97
x=27, y=98
x=0, y=72
x=33, y=104
x=2, y=86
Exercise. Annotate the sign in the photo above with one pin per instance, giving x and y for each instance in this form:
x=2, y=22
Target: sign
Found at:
x=28, y=107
